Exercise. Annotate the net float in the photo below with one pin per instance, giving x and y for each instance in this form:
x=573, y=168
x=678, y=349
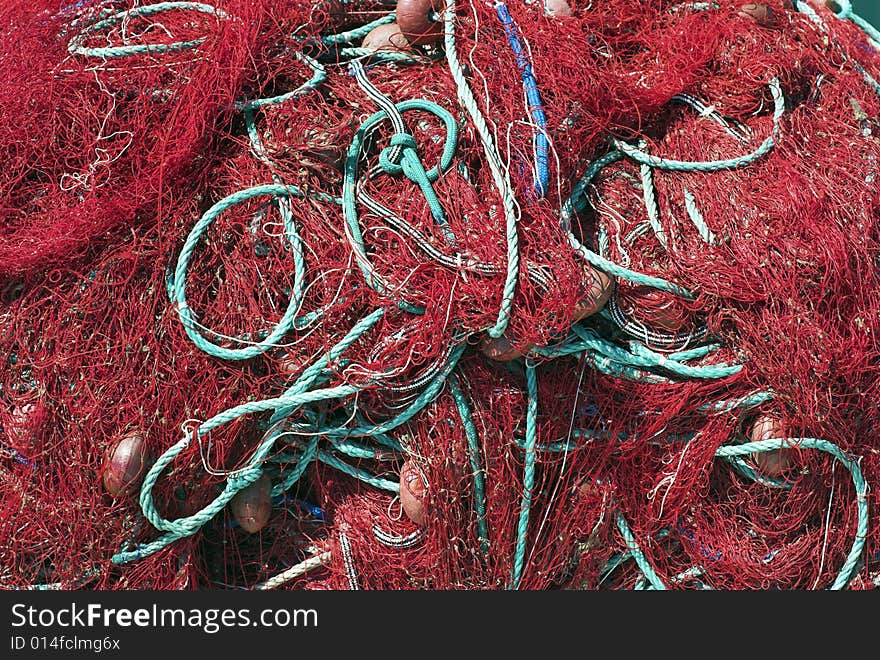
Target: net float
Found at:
x=125, y=465
x=500, y=349
x=416, y=22
x=413, y=487
x=771, y=463
x=11, y=292
x=600, y=291
x=557, y=8
x=252, y=505
x=385, y=37
x=761, y=13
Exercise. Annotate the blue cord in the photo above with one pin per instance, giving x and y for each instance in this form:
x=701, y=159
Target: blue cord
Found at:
x=542, y=145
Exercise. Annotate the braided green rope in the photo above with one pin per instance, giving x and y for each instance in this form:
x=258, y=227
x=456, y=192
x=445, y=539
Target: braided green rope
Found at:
x=528, y=476
x=747, y=401
x=577, y=200
x=243, y=478
x=651, y=204
x=75, y=45
x=713, y=165
x=295, y=396
x=690, y=205
x=319, y=75
x=379, y=55
x=357, y=33
x=314, y=371
x=846, y=13
x=418, y=404
x=641, y=356
x=636, y=553
x=869, y=78
x=499, y=174
x=333, y=461
x=285, y=324
x=411, y=167
x=616, y=270
x=473, y=441
x=845, y=575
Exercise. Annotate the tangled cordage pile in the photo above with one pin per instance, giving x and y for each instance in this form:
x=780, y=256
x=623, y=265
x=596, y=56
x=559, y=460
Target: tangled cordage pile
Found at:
x=439, y=294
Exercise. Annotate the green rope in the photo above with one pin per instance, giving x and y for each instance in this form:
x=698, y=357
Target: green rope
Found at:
x=319, y=75
x=861, y=535
x=75, y=45
x=637, y=554
x=334, y=462
x=846, y=13
x=577, y=200
x=657, y=162
x=651, y=205
x=615, y=270
x=528, y=476
x=473, y=441
x=410, y=166
x=295, y=397
x=690, y=205
x=641, y=356
x=391, y=56
x=728, y=452
x=499, y=173
x=357, y=33
x=285, y=324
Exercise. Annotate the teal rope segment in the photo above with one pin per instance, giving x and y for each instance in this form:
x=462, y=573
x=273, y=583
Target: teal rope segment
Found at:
x=747, y=401
x=242, y=478
x=690, y=205
x=342, y=466
x=640, y=356
x=309, y=454
x=616, y=270
x=657, y=162
x=75, y=45
x=577, y=200
x=357, y=33
x=295, y=397
x=473, y=440
x=418, y=404
x=499, y=174
x=411, y=167
x=319, y=75
x=846, y=13
x=528, y=476
x=378, y=55
x=314, y=371
x=651, y=205
x=637, y=554
x=285, y=324
x=846, y=572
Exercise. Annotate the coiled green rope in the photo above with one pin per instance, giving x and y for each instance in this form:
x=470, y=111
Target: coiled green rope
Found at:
x=75, y=45
x=845, y=574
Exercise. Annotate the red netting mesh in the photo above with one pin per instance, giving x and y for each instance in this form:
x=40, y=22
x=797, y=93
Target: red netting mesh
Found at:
x=582, y=448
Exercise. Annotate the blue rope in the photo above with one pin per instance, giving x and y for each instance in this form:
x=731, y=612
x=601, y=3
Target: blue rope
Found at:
x=530, y=85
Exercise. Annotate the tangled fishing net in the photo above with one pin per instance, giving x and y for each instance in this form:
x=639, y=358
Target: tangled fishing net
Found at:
x=439, y=294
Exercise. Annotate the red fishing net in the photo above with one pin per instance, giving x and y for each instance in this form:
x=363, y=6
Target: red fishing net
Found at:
x=567, y=296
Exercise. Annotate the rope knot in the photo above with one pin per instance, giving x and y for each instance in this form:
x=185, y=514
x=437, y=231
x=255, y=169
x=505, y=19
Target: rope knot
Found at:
x=403, y=145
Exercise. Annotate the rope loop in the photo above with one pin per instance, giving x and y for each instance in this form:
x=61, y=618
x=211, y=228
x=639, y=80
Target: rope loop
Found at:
x=76, y=47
